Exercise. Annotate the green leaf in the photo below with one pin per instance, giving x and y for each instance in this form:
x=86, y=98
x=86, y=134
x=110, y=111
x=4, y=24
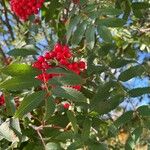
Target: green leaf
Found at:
x=10, y=105
x=120, y=62
x=24, y=51
x=104, y=91
x=20, y=83
x=72, y=24
x=65, y=135
x=111, y=22
x=49, y=107
x=29, y=103
x=92, y=69
x=104, y=107
x=131, y=73
x=75, y=145
x=93, y=15
x=144, y=110
x=133, y=139
x=90, y=36
x=59, y=71
x=139, y=91
x=34, y=146
x=140, y=5
x=53, y=146
x=51, y=10
x=87, y=92
x=16, y=69
x=110, y=11
x=106, y=48
x=90, y=7
x=97, y=146
x=7, y=133
x=86, y=129
x=69, y=93
x=79, y=32
x=68, y=79
x=73, y=120
x=59, y=120
x=124, y=118
x=104, y=33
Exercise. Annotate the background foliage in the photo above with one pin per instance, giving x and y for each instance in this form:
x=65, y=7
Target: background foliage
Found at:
x=112, y=109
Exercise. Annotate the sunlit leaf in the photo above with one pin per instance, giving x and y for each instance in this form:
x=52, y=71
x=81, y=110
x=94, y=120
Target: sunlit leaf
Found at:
x=29, y=103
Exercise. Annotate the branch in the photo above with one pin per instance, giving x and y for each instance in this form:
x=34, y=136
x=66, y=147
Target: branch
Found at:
x=38, y=132
x=37, y=129
x=7, y=20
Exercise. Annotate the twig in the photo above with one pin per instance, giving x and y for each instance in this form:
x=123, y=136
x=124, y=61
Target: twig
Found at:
x=7, y=20
x=37, y=129
x=38, y=132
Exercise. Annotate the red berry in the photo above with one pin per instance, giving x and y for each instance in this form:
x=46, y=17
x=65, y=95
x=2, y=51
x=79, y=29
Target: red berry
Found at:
x=59, y=56
x=58, y=47
x=2, y=100
x=66, y=105
x=41, y=59
x=47, y=56
x=37, y=65
x=45, y=65
x=63, y=62
x=77, y=87
x=66, y=48
x=81, y=65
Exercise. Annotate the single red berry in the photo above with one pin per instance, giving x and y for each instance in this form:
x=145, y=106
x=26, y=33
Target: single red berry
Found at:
x=81, y=65
x=66, y=105
x=2, y=100
x=58, y=47
x=37, y=65
x=75, y=65
x=47, y=56
x=53, y=54
x=41, y=59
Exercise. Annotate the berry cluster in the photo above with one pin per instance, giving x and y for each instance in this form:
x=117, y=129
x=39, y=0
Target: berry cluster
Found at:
x=60, y=56
x=2, y=100
x=25, y=8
